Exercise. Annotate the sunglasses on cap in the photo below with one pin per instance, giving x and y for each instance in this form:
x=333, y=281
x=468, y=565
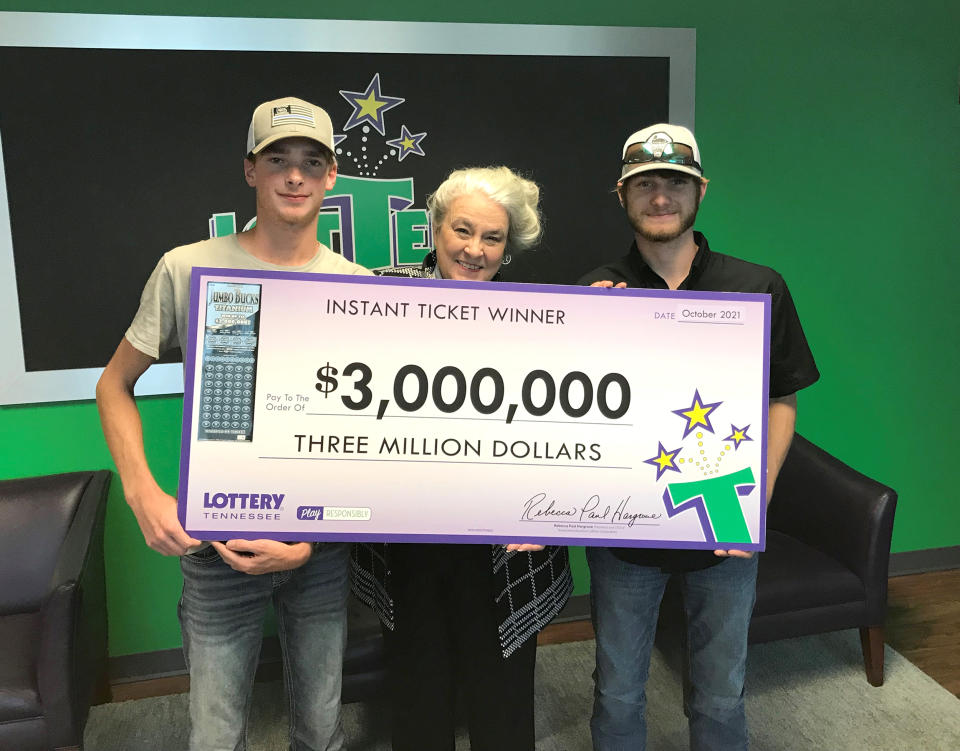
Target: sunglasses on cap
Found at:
x=668, y=153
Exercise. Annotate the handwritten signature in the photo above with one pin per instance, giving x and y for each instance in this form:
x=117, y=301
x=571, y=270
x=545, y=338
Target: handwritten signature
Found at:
x=539, y=508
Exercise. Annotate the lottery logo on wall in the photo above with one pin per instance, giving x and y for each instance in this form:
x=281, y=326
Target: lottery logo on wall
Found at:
x=368, y=219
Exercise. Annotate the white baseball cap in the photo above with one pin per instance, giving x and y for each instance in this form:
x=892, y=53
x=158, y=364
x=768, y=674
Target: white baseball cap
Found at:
x=661, y=146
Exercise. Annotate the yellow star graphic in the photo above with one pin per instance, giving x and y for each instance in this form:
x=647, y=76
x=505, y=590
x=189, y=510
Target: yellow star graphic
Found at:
x=407, y=143
x=370, y=106
x=665, y=460
x=697, y=415
x=738, y=435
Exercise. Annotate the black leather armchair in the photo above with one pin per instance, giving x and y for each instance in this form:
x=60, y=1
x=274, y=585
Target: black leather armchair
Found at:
x=53, y=616
x=826, y=561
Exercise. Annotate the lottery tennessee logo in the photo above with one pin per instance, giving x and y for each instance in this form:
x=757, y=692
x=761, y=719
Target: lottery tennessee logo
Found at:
x=238, y=500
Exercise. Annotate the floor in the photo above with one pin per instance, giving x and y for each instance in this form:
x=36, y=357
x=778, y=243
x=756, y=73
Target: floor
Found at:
x=923, y=624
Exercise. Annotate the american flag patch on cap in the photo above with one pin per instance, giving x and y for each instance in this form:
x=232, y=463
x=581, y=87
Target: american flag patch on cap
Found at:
x=292, y=113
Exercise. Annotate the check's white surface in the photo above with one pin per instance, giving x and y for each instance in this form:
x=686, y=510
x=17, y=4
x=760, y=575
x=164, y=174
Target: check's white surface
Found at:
x=648, y=389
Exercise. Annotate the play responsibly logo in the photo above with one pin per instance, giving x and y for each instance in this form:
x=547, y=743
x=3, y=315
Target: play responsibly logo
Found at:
x=334, y=513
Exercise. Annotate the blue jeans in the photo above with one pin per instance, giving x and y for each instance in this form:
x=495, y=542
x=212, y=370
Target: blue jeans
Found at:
x=221, y=617
x=625, y=601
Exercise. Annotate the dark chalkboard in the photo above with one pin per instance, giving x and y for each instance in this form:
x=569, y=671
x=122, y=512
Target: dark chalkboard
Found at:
x=113, y=156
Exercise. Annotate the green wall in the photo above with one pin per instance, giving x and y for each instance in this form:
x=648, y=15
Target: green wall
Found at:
x=831, y=134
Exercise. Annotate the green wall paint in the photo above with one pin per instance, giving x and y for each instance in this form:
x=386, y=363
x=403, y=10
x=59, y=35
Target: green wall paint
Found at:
x=830, y=132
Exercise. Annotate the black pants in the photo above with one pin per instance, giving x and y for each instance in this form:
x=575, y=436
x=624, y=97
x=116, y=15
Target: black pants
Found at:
x=446, y=643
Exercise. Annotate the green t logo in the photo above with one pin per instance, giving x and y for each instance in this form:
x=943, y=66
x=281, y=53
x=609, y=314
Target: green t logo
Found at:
x=717, y=501
x=373, y=222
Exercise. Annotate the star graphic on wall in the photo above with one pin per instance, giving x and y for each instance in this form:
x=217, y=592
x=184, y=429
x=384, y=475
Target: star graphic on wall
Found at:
x=408, y=143
x=369, y=106
x=664, y=460
x=738, y=435
x=338, y=138
x=697, y=414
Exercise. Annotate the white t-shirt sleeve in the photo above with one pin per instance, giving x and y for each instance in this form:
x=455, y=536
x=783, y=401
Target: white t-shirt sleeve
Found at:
x=153, y=330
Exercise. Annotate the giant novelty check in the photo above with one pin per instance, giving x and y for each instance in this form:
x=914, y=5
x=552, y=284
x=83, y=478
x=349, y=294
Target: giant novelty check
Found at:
x=322, y=407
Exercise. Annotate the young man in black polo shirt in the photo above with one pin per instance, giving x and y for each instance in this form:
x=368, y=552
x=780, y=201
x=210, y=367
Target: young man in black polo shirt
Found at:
x=660, y=187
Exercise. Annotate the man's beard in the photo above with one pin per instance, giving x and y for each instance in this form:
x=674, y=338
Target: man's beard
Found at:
x=666, y=235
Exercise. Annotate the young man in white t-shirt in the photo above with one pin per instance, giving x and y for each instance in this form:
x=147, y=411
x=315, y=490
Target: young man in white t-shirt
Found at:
x=227, y=586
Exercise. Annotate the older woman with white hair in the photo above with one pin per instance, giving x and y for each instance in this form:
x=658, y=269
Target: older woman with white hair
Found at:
x=463, y=619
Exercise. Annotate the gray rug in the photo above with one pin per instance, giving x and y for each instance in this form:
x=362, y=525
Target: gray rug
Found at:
x=806, y=693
